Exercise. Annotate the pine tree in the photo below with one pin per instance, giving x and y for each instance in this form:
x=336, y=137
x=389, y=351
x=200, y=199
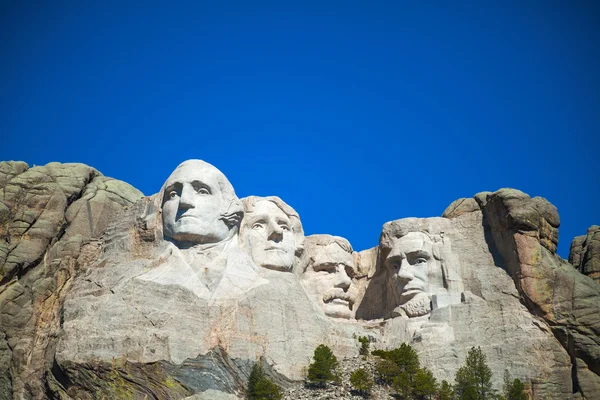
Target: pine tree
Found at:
x=446, y=392
x=324, y=368
x=362, y=381
x=386, y=371
x=398, y=367
x=364, y=345
x=516, y=391
x=260, y=387
x=473, y=380
x=425, y=385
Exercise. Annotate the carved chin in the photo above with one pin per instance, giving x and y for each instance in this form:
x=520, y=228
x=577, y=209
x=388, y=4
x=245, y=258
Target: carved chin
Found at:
x=337, y=311
x=416, y=307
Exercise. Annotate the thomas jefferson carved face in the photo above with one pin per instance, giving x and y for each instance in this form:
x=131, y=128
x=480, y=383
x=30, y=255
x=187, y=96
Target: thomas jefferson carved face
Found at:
x=268, y=235
x=327, y=279
x=408, y=266
x=193, y=204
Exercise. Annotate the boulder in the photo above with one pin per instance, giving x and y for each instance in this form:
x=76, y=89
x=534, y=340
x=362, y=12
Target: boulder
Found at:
x=585, y=253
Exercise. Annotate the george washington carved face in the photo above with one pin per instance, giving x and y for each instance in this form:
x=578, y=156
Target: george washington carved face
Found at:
x=199, y=204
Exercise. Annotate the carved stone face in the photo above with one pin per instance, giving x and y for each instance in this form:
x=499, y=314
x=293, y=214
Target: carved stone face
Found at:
x=327, y=280
x=269, y=237
x=192, y=204
x=408, y=265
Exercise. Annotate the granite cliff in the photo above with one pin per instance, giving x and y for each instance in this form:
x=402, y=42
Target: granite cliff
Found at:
x=108, y=293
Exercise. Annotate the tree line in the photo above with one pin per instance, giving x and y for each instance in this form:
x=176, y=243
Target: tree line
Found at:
x=400, y=370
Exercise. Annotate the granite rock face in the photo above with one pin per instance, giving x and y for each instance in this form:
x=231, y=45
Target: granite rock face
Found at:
x=523, y=233
x=585, y=253
x=105, y=293
x=50, y=220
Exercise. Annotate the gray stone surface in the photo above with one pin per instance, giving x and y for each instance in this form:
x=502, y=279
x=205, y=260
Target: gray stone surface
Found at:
x=585, y=253
x=50, y=218
x=460, y=207
x=523, y=234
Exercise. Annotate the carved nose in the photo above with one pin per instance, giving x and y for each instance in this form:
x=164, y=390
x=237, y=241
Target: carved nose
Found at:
x=401, y=268
x=186, y=200
x=275, y=233
x=343, y=281
x=405, y=273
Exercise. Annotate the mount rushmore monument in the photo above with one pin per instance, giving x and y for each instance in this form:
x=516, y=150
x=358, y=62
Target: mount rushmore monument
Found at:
x=106, y=293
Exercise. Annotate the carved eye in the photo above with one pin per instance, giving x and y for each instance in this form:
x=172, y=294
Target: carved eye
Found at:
x=284, y=227
x=257, y=225
x=329, y=268
x=420, y=261
x=200, y=188
x=172, y=194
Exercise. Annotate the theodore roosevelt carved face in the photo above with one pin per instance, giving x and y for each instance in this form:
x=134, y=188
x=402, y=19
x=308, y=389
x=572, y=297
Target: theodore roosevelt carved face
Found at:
x=199, y=205
x=327, y=277
x=271, y=233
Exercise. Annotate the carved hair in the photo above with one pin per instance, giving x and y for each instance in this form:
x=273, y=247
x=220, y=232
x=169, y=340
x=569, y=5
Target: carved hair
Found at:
x=324, y=241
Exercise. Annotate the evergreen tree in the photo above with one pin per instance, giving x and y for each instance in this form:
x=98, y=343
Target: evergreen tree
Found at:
x=260, y=387
x=403, y=385
x=399, y=368
x=362, y=381
x=516, y=391
x=364, y=345
x=424, y=385
x=473, y=380
x=386, y=371
x=324, y=368
x=446, y=392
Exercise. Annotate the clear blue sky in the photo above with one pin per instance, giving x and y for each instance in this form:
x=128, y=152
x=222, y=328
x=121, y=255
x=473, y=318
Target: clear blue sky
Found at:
x=354, y=113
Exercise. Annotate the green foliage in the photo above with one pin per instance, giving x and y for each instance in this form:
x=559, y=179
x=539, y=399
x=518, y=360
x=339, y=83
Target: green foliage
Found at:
x=473, y=380
x=516, y=391
x=324, y=368
x=260, y=387
x=362, y=381
x=424, y=385
x=386, y=371
x=393, y=363
x=446, y=391
x=364, y=345
x=403, y=385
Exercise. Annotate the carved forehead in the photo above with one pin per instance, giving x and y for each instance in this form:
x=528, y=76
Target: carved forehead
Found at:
x=332, y=253
x=414, y=241
x=198, y=170
x=266, y=208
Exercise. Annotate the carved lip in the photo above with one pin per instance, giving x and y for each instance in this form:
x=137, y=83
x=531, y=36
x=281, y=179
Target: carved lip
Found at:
x=338, y=298
x=274, y=249
x=187, y=216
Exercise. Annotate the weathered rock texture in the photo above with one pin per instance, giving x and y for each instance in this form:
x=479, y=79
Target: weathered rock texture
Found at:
x=585, y=253
x=522, y=234
x=97, y=301
x=50, y=220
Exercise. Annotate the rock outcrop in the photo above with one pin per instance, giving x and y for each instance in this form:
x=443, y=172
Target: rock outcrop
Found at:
x=105, y=293
x=585, y=253
x=523, y=235
x=50, y=220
